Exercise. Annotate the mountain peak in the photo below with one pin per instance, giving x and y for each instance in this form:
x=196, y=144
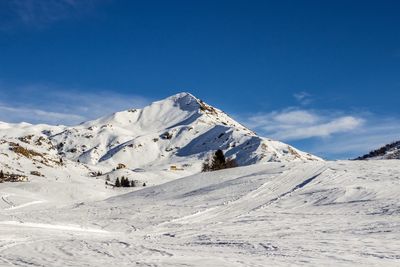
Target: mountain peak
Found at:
x=188, y=102
x=184, y=99
x=182, y=95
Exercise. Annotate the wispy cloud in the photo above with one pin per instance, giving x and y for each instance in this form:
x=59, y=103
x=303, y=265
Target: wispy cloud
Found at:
x=34, y=13
x=303, y=98
x=297, y=124
x=21, y=114
x=46, y=104
x=43, y=11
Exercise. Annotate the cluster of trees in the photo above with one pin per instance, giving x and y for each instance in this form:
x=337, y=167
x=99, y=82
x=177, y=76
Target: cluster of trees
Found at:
x=218, y=162
x=381, y=151
x=125, y=182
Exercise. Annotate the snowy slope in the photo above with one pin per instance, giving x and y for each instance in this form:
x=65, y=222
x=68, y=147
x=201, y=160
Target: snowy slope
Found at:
x=343, y=213
x=389, y=151
x=180, y=130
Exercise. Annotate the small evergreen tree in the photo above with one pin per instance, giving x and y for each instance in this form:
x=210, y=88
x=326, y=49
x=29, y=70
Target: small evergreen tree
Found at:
x=117, y=183
x=218, y=162
x=125, y=182
x=1, y=174
x=206, y=166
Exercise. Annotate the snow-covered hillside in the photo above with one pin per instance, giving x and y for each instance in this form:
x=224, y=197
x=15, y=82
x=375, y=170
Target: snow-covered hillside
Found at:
x=343, y=213
x=180, y=131
x=389, y=151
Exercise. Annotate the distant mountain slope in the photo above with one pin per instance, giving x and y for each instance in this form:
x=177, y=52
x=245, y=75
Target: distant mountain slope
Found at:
x=389, y=151
x=180, y=130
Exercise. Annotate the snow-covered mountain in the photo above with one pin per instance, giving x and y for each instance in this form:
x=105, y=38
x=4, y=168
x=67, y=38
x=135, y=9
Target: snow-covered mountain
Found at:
x=180, y=131
x=389, y=151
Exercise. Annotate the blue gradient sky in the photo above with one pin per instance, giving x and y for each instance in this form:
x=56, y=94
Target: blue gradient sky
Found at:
x=321, y=75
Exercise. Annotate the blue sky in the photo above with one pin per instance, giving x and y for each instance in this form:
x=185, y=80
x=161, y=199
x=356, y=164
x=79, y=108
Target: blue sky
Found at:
x=320, y=75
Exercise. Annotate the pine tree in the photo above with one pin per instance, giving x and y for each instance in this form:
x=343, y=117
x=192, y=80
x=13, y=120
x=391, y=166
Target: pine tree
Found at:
x=1, y=174
x=219, y=156
x=218, y=162
x=117, y=183
x=125, y=182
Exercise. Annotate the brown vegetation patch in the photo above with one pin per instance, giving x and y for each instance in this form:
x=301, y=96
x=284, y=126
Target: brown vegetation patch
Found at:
x=12, y=177
x=28, y=153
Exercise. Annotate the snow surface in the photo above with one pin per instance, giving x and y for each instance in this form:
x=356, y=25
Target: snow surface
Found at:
x=343, y=213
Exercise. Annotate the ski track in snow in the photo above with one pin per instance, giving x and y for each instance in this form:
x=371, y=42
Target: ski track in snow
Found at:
x=315, y=214
x=52, y=226
x=25, y=205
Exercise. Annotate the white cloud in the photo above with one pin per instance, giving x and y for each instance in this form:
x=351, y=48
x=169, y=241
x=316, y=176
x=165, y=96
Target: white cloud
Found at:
x=42, y=104
x=93, y=105
x=338, y=125
x=297, y=124
x=37, y=116
x=296, y=117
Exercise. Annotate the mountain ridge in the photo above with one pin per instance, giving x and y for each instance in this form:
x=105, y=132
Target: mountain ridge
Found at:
x=389, y=151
